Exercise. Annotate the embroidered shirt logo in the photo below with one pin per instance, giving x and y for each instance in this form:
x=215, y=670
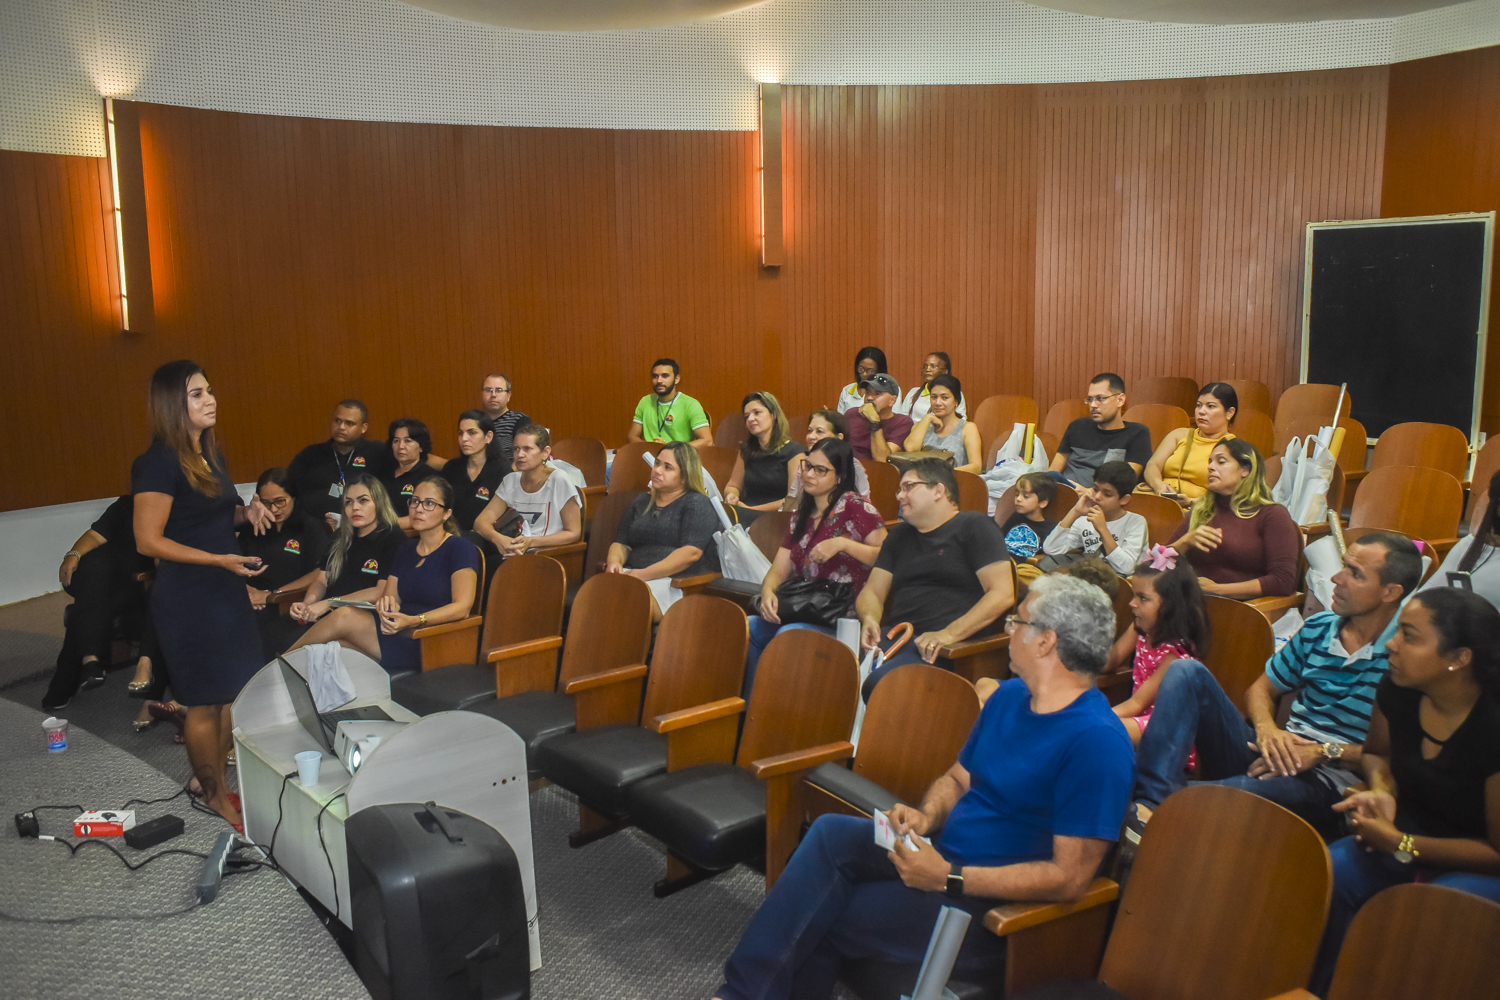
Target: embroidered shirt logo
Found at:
x=408, y=490
x=358, y=460
x=370, y=566
x=293, y=545
x=483, y=494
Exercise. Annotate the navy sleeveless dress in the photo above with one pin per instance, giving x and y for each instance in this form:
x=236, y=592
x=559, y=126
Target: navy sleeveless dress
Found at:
x=202, y=614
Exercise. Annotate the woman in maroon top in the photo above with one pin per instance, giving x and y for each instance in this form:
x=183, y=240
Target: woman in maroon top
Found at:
x=1240, y=542
x=834, y=535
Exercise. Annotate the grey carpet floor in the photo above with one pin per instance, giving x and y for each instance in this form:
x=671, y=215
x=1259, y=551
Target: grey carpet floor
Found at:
x=604, y=935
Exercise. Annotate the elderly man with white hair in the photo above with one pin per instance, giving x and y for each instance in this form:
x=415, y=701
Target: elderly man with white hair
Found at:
x=1027, y=812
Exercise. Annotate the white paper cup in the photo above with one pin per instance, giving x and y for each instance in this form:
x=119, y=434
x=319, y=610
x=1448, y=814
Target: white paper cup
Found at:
x=308, y=763
x=56, y=732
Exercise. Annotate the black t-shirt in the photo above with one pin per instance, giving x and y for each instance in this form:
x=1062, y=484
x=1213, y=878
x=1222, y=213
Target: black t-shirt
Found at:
x=1089, y=446
x=117, y=526
x=765, y=474
x=652, y=532
x=400, y=488
x=319, y=467
x=367, y=562
x=470, y=496
x=933, y=574
x=1444, y=796
x=1024, y=537
x=296, y=550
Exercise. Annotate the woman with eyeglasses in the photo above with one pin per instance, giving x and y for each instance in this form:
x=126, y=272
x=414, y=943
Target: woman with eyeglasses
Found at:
x=822, y=424
x=918, y=400
x=759, y=481
x=835, y=535
x=433, y=581
x=292, y=551
x=361, y=555
x=869, y=362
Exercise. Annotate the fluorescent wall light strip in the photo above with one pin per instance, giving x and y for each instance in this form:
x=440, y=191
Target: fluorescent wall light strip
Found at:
x=114, y=177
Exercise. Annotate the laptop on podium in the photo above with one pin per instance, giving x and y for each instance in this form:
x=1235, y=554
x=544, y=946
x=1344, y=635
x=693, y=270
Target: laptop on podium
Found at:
x=323, y=726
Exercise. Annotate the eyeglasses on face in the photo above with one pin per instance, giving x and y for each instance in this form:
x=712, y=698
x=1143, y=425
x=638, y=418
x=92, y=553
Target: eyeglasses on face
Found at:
x=822, y=470
x=1011, y=621
x=1100, y=400
x=492, y=391
x=429, y=505
x=273, y=504
x=911, y=484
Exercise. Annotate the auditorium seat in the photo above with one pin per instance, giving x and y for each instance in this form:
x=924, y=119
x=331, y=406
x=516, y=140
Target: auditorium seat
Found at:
x=1309, y=401
x=1352, y=535
x=525, y=609
x=1429, y=446
x=1163, y=515
x=1335, y=497
x=1160, y=419
x=1256, y=428
x=884, y=479
x=629, y=471
x=1352, y=452
x=767, y=532
x=731, y=431
x=1240, y=642
x=973, y=492
x=713, y=807
x=719, y=463
x=1063, y=413
x=699, y=658
x=984, y=655
x=1061, y=503
x=1417, y=502
x=996, y=417
x=607, y=518
x=588, y=454
x=455, y=642
x=1417, y=940
x=1167, y=390
x=1251, y=394
x=1486, y=464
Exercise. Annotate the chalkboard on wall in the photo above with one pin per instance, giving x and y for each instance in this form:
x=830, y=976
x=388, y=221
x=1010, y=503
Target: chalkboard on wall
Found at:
x=1398, y=309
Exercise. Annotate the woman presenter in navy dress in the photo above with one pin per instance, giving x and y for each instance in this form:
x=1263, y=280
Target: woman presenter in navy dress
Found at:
x=433, y=579
x=186, y=512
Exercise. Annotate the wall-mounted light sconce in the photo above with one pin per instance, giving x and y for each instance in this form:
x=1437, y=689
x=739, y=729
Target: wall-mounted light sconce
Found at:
x=772, y=247
x=122, y=133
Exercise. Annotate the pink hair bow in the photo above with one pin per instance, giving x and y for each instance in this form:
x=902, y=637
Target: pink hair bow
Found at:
x=1161, y=558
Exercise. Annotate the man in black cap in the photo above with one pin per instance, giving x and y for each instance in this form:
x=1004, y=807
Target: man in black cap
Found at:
x=875, y=430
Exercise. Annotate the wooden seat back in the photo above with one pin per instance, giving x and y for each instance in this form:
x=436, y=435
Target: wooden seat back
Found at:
x=719, y=463
x=1240, y=642
x=586, y=453
x=1061, y=502
x=1420, y=940
x=1124, y=617
x=995, y=418
x=731, y=432
x=1252, y=395
x=1352, y=535
x=1167, y=390
x=1351, y=457
x=1426, y=503
x=1308, y=401
x=1176, y=939
x=1486, y=464
x=1255, y=427
x=884, y=479
x=916, y=722
x=610, y=626
x=1063, y=413
x=526, y=602
x=699, y=655
x=806, y=690
x=1163, y=515
x=1160, y=419
x=1431, y=446
x=629, y=471
x=797, y=426
x=606, y=525
x=768, y=530
x=973, y=492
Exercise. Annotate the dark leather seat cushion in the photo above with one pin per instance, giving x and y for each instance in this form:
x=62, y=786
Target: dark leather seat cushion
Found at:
x=535, y=716
x=738, y=591
x=599, y=765
x=714, y=815
x=859, y=792
x=445, y=689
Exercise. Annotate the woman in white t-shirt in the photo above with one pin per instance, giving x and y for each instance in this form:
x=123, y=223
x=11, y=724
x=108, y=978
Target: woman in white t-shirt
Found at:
x=869, y=362
x=918, y=401
x=1475, y=560
x=544, y=498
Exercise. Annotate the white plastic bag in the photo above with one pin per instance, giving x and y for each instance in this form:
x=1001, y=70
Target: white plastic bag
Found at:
x=1303, y=485
x=739, y=558
x=573, y=472
x=871, y=663
x=1011, y=463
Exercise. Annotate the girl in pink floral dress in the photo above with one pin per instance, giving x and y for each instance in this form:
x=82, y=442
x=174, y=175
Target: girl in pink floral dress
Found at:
x=1170, y=623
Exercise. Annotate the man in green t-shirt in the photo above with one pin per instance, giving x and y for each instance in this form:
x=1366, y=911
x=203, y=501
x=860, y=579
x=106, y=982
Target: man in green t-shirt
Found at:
x=666, y=415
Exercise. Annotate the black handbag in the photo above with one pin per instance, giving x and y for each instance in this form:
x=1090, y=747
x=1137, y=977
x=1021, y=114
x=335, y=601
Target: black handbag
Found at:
x=812, y=602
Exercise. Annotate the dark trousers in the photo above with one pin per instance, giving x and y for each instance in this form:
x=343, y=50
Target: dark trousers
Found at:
x=101, y=593
x=906, y=654
x=840, y=897
x=1191, y=709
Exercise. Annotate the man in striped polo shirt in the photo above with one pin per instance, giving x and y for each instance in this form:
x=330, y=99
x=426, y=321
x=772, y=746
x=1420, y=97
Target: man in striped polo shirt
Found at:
x=1333, y=664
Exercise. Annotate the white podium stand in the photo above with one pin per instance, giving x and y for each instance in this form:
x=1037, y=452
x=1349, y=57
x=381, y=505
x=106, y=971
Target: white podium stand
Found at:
x=462, y=760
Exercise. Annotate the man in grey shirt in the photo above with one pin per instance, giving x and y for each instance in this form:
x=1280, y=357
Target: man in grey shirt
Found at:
x=1103, y=435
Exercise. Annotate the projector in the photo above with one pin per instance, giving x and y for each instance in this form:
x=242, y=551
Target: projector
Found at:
x=357, y=738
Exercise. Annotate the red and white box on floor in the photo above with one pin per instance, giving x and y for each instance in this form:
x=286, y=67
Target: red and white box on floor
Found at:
x=104, y=823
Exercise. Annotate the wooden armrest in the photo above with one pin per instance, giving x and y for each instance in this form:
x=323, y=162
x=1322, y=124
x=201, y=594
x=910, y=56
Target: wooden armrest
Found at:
x=1269, y=606
x=1298, y=994
x=695, y=583
x=1355, y=475
x=1313, y=531
x=973, y=647
x=1009, y=918
x=801, y=760
x=697, y=715
x=516, y=649
x=473, y=621
x=1440, y=547
x=289, y=597
x=594, y=491
x=605, y=678
x=563, y=550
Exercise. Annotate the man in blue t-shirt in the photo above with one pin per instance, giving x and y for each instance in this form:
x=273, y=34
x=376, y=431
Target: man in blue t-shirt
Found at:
x=1027, y=813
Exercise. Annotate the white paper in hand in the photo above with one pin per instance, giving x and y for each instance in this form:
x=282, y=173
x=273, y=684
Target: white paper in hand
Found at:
x=885, y=834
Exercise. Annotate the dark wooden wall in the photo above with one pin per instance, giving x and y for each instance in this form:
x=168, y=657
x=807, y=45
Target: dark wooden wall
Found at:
x=1037, y=234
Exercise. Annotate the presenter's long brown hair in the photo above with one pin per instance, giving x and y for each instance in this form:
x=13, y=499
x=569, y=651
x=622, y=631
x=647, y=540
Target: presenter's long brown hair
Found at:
x=171, y=426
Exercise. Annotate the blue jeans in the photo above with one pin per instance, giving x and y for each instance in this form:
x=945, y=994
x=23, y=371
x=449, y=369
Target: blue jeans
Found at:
x=840, y=897
x=1191, y=709
x=761, y=634
x=1358, y=875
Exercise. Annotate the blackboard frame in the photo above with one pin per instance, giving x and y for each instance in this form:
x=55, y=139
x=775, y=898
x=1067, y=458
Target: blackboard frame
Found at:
x=1488, y=221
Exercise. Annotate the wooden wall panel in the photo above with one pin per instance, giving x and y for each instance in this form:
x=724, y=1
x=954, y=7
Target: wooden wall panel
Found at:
x=1443, y=155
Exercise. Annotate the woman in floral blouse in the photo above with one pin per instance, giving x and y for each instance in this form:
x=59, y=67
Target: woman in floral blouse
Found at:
x=835, y=535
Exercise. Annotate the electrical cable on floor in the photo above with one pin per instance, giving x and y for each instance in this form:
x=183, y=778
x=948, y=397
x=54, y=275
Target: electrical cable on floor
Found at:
x=96, y=916
x=326, y=858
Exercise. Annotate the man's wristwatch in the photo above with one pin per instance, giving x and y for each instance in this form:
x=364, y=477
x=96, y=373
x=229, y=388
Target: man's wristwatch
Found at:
x=1405, y=851
x=1333, y=751
x=955, y=887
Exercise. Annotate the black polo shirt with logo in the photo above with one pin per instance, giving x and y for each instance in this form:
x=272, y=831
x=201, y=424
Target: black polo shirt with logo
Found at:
x=318, y=468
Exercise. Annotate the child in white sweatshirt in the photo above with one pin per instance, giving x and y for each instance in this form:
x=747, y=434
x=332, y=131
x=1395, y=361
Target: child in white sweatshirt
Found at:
x=1099, y=524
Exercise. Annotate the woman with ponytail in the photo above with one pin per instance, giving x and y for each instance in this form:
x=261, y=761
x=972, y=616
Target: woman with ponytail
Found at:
x=1471, y=563
x=1240, y=542
x=186, y=512
x=1431, y=760
x=432, y=581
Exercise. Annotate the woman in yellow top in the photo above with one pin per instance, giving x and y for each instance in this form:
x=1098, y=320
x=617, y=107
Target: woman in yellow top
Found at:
x=1179, y=469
